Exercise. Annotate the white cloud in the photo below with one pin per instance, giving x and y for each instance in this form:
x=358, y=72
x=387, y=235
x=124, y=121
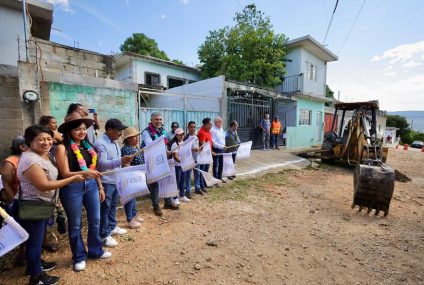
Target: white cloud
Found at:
x=62, y=4
x=392, y=73
x=407, y=86
x=163, y=16
x=411, y=64
x=402, y=53
x=390, y=67
x=184, y=2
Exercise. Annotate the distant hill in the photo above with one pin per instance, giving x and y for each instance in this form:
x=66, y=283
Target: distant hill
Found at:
x=415, y=119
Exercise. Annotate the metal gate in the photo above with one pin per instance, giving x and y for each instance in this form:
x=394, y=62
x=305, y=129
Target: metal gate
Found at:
x=248, y=109
x=285, y=110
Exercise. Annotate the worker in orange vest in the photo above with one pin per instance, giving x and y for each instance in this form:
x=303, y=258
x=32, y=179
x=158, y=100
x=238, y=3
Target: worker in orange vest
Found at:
x=275, y=132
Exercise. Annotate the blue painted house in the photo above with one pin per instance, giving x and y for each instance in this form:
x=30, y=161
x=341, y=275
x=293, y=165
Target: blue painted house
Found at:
x=305, y=83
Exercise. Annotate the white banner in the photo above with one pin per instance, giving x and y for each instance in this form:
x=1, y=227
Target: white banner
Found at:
x=229, y=167
x=205, y=156
x=244, y=150
x=131, y=184
x=186, y=156
x=168, y=186
x=209, y=179
x=11, y=235
x=156, y=161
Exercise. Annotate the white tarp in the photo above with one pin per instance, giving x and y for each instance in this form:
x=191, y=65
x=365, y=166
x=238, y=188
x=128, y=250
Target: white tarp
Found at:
x=131, y=184
x=156, y=161
x=168, y=186
x=205, y=156
x=186, y=156
x=229, y=167
x=244, y=150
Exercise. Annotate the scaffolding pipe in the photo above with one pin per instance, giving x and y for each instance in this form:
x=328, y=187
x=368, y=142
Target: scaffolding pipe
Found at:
x=25, y=28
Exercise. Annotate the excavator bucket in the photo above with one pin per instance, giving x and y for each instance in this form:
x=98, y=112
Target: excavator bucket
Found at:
x=373, y=186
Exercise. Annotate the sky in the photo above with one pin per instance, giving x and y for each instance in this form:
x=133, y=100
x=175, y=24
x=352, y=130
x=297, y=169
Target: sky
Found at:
x=380, y=43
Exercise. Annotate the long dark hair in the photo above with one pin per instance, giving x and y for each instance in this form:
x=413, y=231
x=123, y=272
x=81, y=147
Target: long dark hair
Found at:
x=45, y=120
x=73, y=107
x=67, y=136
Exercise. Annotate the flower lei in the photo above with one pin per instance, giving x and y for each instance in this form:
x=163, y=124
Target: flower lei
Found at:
x=80, y=158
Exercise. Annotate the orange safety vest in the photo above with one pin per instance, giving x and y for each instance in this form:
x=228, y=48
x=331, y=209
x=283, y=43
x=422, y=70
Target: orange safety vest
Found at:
x=275, y=127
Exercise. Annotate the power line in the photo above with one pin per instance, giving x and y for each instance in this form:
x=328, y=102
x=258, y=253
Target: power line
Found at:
x=351, y=27
x=331, y=21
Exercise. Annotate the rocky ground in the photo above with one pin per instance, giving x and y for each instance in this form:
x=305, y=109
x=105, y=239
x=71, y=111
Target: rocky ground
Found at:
x=287, y=227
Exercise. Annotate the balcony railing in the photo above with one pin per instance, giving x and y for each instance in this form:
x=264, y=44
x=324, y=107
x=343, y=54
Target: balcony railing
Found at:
x=291, y=84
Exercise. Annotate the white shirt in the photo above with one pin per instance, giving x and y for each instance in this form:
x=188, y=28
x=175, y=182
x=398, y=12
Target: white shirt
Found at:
x=218, y=137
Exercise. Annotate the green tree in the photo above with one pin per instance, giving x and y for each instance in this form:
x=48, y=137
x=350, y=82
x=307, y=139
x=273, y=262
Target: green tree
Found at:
x=249, y=51
x=141, y=44
x=328, y=92
x=400, y=122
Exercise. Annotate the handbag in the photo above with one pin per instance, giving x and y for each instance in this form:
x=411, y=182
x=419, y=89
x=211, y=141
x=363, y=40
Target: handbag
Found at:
x=35, y=210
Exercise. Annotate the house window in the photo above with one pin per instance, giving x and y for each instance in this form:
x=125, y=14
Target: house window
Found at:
x=311, y=71
x=175, y=82
x=152, y=79
x=305, y=117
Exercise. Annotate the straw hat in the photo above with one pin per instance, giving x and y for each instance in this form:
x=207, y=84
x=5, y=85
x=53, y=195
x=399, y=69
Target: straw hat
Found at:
x=129, y=132
x=73, y=118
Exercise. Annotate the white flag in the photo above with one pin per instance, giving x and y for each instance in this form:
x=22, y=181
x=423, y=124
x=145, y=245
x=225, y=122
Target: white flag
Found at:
x=11, y=235
x=186, y=156
x=244, y=150
x=229, y=167
x=156, y=161
x=131, y=184
x=209, y=179
x=205, y=156
x=168, y=186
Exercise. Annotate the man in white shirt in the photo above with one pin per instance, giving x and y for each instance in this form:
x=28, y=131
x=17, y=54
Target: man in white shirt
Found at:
x=218, y=139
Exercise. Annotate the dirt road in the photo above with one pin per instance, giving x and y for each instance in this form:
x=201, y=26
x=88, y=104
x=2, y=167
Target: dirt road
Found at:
x=289, y=227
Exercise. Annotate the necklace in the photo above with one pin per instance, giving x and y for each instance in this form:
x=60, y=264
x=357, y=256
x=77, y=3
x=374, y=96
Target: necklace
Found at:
x=80, y=158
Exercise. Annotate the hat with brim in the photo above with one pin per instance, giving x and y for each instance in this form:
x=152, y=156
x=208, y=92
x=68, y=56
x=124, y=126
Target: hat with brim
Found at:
x=129, y=132
x=179, y=131
x=72, y=120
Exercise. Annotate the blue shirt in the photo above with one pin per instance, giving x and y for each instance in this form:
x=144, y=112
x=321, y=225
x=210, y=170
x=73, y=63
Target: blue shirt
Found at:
x=129, y=150
x=108, y=158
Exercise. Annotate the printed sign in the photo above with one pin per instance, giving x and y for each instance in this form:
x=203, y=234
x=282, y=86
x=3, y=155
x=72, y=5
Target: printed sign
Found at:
x=131, y=184
x=229, y=167
x=205, y=156
x=186, y=156
x=156, y=161
x=11, y=235
x=244, y=150
x=168, y=186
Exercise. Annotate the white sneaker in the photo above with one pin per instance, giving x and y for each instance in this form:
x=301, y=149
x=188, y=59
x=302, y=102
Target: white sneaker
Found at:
x=118, y=231
x=133, y=224
x=175, y=202
x=80, y=266
x=106, y=254
x=185, y=199
x=110, y=242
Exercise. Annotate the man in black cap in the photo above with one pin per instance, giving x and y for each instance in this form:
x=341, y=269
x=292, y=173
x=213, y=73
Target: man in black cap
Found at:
x=109, y=158
x=171, y=134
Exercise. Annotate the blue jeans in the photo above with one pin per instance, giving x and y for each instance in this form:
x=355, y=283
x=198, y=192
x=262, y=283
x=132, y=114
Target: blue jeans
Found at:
x=197, y=177
x=274, y=140
x=204, y=167
x=108, y=220
x=73, y=198
x=154, y=195
x=218, y=163
x=180, y=180
x=187, y=182
x=35, y=230
x=130, y=210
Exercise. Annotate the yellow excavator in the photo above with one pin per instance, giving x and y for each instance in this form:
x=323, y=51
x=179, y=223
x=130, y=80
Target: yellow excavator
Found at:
x=357, y=143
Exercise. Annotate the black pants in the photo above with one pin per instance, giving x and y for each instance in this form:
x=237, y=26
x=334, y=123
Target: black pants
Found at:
x=218, y=163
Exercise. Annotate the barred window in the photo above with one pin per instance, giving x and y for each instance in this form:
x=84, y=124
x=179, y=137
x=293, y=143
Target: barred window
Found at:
x=305, y=117
x=311, y=71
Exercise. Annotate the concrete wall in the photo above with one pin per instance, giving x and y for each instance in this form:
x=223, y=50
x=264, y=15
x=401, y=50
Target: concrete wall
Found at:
x=59, y=58
x=135, y=70
x=11, y=122
x=312, y=87
x=108, y=102
x=305, y=136
x=293, y=66
x=11, y=26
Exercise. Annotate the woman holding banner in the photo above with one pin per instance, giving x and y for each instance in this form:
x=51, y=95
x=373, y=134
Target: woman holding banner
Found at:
x=37, y=175
x=131, y=146
x=77, y=156
x=175, y=147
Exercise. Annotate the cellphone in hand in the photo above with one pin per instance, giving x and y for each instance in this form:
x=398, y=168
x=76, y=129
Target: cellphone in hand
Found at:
x=92, y=111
